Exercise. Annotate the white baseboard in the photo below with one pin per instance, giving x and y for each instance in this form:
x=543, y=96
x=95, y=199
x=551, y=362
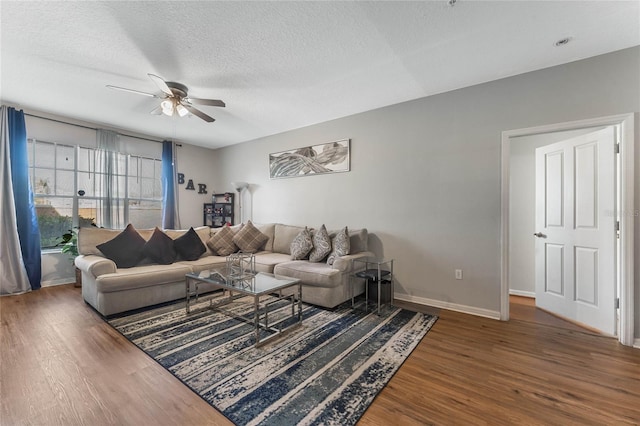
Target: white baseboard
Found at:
x=522, y=293
x=450, y=306
x=636, y=343
x=59, y=281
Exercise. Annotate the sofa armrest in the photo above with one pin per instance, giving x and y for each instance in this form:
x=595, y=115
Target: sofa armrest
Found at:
x=95, y=265
x=343, y=263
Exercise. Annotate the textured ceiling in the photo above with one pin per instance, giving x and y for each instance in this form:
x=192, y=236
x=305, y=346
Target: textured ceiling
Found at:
x=282, y=65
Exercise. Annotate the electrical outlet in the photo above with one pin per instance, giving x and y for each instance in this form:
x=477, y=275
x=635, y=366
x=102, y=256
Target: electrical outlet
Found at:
x=458, y=274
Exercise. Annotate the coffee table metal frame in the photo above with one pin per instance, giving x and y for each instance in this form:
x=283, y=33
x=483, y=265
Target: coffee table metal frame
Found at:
x=256, y=286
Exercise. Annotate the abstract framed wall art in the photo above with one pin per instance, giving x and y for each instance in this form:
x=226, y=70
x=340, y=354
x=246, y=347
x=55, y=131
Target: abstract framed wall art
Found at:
x=331, y=157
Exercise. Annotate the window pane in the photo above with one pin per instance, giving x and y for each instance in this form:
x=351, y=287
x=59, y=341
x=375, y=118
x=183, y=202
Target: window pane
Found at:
x=64, y=182
x=86, y=183
x=44, y=179
x=86, y=159
x=145, y=214
x=121, y=164
x=65, y=157
x=134, y=166
x=55, y=218
x=45, y=154
x=57, y=171
x=117, y=213
x=87, y=211
x=115, y=187
x=147, y=168
x=134, y=187
x=147, y=188
x=30, y=144
x=157, y=189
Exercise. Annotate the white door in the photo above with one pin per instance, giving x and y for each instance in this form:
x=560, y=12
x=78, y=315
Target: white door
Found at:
x=575, y=229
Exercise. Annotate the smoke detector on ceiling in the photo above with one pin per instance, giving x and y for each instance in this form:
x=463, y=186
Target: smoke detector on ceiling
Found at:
x=563, y=41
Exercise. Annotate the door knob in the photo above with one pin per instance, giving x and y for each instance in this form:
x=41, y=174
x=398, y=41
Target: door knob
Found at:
x=539, y=235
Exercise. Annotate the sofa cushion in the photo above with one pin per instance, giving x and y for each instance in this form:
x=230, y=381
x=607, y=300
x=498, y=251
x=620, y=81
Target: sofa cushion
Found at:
x=283, y=236
x=267, y=229
x=159, y=248
x=249, y=239
x=358, y=240
x=302, y=244
x=222, y=242
x=204, y=232
x=340, y=245
x=205, y=263
x=266, y=260
x=321, y=245
x=142, y=276
x=189, y=246
x=314, y=274
x=90, y=237
x=125, y=249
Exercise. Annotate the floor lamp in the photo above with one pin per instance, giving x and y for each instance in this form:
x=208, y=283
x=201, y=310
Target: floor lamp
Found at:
x=240, y=186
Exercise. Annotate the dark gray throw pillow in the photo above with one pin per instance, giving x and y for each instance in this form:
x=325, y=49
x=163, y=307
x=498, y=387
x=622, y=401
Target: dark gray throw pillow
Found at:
x=160, y=248
x=189, y=246
x=125, y=249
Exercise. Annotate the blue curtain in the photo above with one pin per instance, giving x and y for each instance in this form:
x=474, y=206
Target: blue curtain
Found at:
x=27, y=221
x=169, y=206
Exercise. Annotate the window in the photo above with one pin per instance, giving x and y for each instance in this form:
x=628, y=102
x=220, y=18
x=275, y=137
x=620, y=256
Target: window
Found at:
x=72, y=187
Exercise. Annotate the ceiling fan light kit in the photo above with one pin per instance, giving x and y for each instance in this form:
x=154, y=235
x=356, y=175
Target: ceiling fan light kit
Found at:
x=175, y=99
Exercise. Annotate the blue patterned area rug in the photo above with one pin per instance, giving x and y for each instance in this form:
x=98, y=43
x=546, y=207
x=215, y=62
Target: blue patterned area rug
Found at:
x=327, y=371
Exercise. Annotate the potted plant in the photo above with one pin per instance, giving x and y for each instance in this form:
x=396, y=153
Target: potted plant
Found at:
x=69, y=244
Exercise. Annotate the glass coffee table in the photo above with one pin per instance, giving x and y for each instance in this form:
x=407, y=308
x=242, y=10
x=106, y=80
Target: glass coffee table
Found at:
x=256, y=287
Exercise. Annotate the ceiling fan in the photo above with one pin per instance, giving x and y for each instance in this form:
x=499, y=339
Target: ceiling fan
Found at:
x=175, y=99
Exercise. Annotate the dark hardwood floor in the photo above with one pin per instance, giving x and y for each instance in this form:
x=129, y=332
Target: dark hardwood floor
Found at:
x=61, y=364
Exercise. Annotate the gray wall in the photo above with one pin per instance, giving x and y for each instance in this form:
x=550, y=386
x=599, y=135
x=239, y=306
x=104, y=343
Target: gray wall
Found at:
x=195, y=163
x=425, y=174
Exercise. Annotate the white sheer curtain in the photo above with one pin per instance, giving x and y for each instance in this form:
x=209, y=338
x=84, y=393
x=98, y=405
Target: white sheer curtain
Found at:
x=13, y=279
x=110, y=169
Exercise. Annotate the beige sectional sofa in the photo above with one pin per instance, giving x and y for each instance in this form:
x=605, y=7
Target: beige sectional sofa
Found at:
x=111, y=290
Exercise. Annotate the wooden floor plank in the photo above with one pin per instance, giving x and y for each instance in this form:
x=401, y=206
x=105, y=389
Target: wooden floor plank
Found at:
x=61, y=364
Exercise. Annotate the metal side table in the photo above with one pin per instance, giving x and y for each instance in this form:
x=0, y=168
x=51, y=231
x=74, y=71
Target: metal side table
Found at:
x=373, y=270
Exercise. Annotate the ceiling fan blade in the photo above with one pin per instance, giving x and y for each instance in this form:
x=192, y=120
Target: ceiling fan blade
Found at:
x=210, y=102
x=137, y=92
x=162, y=85
x=157, y=110
x=198, y=113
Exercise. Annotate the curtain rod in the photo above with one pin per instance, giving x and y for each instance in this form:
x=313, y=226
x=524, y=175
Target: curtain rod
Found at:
x=87, y=127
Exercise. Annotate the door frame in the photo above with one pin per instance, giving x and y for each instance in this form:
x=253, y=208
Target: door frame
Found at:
x=625, y=176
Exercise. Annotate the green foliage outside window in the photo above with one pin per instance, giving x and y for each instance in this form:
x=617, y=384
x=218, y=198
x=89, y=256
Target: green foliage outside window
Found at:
x=52, y=228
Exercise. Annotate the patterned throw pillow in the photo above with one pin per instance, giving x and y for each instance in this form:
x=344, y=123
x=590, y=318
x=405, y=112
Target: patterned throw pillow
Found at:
x=301, y=245
x=125, y=249
x=160, y=248
x=321, y=245
x=249, y=239
x=189, y=246
x=341, y=245
x=222, y=242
